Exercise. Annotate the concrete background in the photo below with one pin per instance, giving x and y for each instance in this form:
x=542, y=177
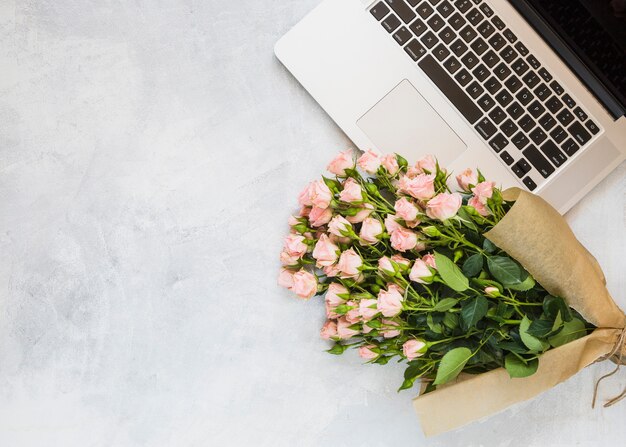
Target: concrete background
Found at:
x=150, y=154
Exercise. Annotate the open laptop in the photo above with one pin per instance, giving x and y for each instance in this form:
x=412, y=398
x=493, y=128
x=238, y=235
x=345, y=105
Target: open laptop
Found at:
x=531, y=91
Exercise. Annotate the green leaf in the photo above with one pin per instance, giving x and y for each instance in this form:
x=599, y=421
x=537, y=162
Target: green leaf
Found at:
x=435, y=327
x=466, y=219
x=473, y=311
x=450, y=273
x=525, y=285
x=445, y=304
x=337, y=349
x=540, y=328
x=531, y=342
x=489, y=246
x=451, y=365
x=473, y=265
x=516, y=367
x=552, y=305
x=374, y=324
x=450, y=320
x=505, y=270
x=571, y=331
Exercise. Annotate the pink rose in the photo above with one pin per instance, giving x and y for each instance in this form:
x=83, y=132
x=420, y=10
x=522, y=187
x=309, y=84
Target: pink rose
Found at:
x=285, y=278
x=361, y=215
x=304, y=211
x=390, y=163
x=420, y=272
x=466, y=179
x=293, y=221
x=304, y=284
x=304, y=198
x=390, y=302
x=403, y=239
x=421, y=187
x=353, y=315
x=336, y=295
x=385, y=266
x=405, y=210
x=369, y=162
x=287, y=259
x=340, y=163
x=344, y=331
x=329, y=330
x=492, y=292
x=428, y=163
x=325, y=252
x=320, y=216
x=366, y=352
x=413, y=349
x=295, y=246
x=387, y=330
x=351, y=191
x=483, y=191
x=370, y=231
x=368, y=308
x=402, y=262
x=391, y=224
x=429, y=259
x=479, y=206
x=331, y=271
x=320, y=194
x=349, y=264
x=444, y=206
x=339, y=225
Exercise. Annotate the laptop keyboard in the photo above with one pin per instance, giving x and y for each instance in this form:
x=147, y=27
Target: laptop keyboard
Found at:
x=492, y=79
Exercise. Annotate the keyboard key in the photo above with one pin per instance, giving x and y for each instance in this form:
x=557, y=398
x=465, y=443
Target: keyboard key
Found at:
x=570, y=147
x=498, y=142
x=515, y=110
x=524, y=96
x=436, y=22
x=434, y=2
x=531, y=79
x=418, y=27
x=445, y=9
x=475, y=16
x=565, y=117
x=521, y=49
x=592, y=127
x=532, y=60
x=538, y=161
x=558, y=134
x=520, y=67
x=521, y=168
x=491, y=58
x=379, y=11
x=504, y=98
x=538, y=136
x=553, y=153
x=545, y=75
x=567, y=99
x=458, y=47
x=463, y=77
x=530, y=184
x=542, y=92
x=554, y=104
x=404, y=11
x=463, y=5
x=508, y=54
x=486, y=102
x=502, y=71
x=425, y=10
x=485, y=128
x=475, y=90
x=429, y=39
x=413, y=2
x=452, y=64
x=464, y=104
x=441, y=52
x=547, y=121
x=415, y=49
x=481, y=73
x=580, y=114
x=468, y=33
x=403, y=35
x=497, y=42
x=470, y=60
x=506, y=157
x=580, y=134
x=479, y=46
x=456, y=21
x=486, y=10
x=391, y=23
x=520, y=140
x=556, y=87
x=498, y=23
x=497, y=115
x=509, y=128
x=513, y=84
x=492, y=85
x=486, y=29
x=527, y=123
x=508, y=34
x=536, y=109
x=447, y=35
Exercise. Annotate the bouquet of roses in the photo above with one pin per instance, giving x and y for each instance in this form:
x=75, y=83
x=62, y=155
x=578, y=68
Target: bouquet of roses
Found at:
x=412, y=269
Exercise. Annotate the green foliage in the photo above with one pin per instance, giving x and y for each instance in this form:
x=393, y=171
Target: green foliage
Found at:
x=473, y=311
x=516, y=366
x=473, y=265
x=452, y=364
x=450, y=273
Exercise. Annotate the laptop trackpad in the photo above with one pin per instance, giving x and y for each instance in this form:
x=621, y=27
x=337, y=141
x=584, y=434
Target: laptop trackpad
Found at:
x=404, y=122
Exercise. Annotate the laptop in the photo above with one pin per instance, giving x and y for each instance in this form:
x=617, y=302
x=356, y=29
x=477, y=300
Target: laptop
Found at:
x=533, y=92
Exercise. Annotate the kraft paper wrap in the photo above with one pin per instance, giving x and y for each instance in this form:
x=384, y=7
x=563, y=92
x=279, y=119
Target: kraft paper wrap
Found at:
x=538, y=237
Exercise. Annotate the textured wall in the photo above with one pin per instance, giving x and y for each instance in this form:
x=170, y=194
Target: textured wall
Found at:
x=150, y=153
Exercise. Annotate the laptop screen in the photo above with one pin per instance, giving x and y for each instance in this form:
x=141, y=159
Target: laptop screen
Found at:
x=595, y=31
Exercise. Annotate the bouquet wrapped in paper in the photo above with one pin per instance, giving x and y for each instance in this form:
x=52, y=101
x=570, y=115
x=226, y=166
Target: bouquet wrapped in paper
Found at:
x=487, y=295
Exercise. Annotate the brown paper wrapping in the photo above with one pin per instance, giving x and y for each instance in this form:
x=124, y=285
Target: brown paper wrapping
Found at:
x=537, y=236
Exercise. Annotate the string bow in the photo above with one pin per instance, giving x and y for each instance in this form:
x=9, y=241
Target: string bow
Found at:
x=617, y=356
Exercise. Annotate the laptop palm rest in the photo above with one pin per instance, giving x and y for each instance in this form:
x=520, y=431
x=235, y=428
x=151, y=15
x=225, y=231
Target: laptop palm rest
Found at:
x=404, y=122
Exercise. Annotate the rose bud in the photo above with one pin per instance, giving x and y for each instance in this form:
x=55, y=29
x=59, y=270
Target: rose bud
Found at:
x=479, y=206
x=390, y=163
x=366, y=352
x=444, y=206
x=388, y=331
x=429, y=259
x=351, y=192
x=320, y=216
x=344, y=329
x=391, y=223
x=413, y=349
x=325, y=252
x=304, y=284
x=370, y=231
x=403, y=239
x=467, y=179
x=320, y=194
x=483, y=191
x=421, y=187
x=295, y=246
x=340, y=163
x=403, y=263
x=285, y=278
x=420, y=272
x=385, y=266
x=329, y=330
x=339, y=226
x=349, y=264
x=368, y=308
x=390, y=302
x=362, y=214
x=405, y=210
x=370, y=162
x=492, y=292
